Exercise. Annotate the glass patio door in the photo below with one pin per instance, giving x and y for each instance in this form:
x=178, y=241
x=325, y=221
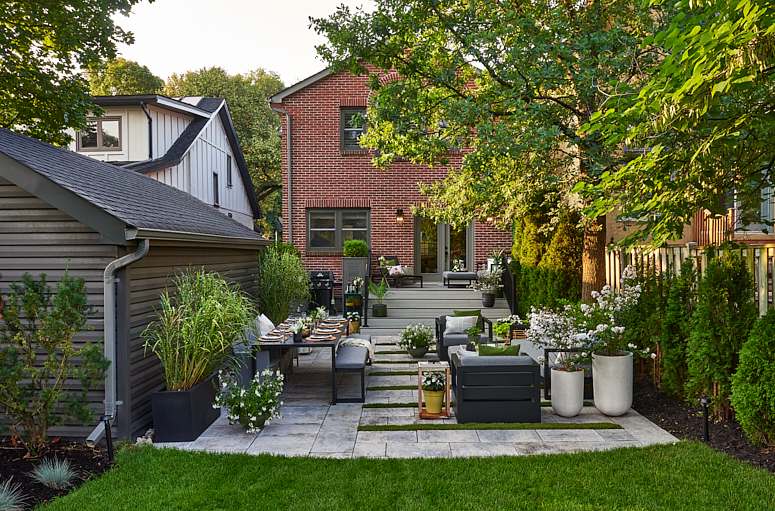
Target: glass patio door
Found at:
x=437, y=246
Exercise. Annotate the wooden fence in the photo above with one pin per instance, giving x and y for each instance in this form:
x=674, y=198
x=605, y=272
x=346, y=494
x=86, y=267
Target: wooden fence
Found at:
x=759, y=260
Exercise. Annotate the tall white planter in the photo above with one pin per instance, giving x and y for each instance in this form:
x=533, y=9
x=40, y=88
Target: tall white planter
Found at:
x=611, y=383
x=567, y=392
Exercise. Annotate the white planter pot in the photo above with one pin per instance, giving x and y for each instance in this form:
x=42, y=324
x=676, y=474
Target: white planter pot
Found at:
x=611, y=383
x=567, y=392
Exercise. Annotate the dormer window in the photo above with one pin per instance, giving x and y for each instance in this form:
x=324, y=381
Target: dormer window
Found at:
x=102, y=134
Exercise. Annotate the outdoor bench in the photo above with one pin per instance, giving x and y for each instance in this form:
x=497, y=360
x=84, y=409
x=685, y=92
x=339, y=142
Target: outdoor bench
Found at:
x=352, y=359
x=448, y=276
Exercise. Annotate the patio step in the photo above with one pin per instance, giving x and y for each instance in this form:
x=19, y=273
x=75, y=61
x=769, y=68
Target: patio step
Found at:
x=424, y=305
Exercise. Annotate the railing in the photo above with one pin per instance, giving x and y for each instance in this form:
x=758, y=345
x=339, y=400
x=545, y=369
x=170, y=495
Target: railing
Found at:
x=759, y=260
x=365, y=299
x=713, y=231
x=509, y=286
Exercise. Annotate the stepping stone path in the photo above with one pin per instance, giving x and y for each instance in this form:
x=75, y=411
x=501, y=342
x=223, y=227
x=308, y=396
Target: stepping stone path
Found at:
x=310, y=426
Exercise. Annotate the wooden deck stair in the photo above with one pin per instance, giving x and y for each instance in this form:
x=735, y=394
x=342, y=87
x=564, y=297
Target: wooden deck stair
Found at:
x=416, y=305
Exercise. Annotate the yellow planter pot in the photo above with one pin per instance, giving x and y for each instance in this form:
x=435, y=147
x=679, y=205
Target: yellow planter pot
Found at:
x=355, y=326
x=434, y=399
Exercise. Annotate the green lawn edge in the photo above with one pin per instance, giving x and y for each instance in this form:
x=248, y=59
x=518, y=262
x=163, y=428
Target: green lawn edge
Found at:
x=494, y=425
x=452, y=403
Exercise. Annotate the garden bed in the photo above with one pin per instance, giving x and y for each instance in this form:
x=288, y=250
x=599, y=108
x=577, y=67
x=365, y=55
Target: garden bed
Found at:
x=685, y=422
x=87, y=463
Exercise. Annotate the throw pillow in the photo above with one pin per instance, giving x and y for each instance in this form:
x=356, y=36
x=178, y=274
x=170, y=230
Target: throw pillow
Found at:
x=456, y=325
x=395, y=270
x=475, y=312
x=492, y=351
x=265, y=325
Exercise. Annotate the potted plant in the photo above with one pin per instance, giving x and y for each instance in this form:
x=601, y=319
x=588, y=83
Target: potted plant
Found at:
x=355, y=259
x=355, y=321
x=489, y=280
x=416, y=338
x=192, y=336
x=434, y=386
x=252, y=408
x=558, y=330
x=282, y=283
x=379, y=309
x=496, y=261
x=297, y=329
x=474, y=334
x=317, y=315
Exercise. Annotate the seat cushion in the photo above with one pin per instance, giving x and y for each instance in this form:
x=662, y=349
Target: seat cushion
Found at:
x=455, y=339
x=351, y=357
x=496, y=361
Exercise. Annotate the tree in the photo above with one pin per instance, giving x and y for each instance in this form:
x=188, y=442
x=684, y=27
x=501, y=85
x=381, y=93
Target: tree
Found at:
x=256, y=124
x=703, y=123
x=43, y=46
x=511, y=83
x=122, y=77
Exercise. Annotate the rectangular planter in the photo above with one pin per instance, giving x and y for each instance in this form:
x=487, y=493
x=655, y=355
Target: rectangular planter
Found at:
x=182, y=416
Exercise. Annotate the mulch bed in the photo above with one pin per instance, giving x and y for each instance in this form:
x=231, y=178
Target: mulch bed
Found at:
x=87, y=462
x=685, y=422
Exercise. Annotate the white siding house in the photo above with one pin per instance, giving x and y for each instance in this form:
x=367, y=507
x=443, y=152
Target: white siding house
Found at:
x=187, y=143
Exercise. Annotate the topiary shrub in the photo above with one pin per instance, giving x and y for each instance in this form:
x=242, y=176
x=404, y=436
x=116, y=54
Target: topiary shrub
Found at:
x=753, y=385
x=721, y=322
x=675, y=331
x=356, y=248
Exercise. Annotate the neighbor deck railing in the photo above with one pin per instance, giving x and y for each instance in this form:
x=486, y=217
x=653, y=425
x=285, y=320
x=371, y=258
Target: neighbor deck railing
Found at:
x=759, y=260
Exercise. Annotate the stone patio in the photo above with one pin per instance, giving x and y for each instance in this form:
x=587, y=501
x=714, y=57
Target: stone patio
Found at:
x=311, y=427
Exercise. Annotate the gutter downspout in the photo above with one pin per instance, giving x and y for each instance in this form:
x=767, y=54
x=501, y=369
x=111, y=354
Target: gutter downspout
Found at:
x=288, y=143
x=150, y=130
x=109, y=286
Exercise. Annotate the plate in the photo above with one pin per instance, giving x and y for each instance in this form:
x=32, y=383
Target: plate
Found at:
x=319, y=337
x=272, y=338
x=327, y=330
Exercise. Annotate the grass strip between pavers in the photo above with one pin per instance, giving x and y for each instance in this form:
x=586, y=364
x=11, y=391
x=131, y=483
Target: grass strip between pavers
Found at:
x=393, y=373
x=387, y=344
x=394, y=387
x=414, y=361
x=452, y=403
x=494, y=425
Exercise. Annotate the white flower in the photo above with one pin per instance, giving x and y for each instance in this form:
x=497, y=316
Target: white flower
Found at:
x=647, y=350
x=584, y=354
x=631, y=346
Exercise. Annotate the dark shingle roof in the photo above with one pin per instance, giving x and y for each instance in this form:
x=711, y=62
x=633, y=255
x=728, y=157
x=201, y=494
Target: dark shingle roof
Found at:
x=210, y=104
x=135, y=199
x=176, y=152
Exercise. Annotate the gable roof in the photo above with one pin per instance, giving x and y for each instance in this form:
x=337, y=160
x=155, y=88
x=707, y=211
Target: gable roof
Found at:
x=278, y=98
x=204, y=110
x=118, y=203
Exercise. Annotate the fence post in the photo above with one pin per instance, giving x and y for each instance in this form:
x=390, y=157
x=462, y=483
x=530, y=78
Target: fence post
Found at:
x=763, y=278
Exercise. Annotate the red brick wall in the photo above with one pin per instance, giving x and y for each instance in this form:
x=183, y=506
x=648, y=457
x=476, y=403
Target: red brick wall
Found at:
x=324, y=176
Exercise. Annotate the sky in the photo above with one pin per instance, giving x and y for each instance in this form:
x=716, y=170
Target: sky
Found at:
x=175, y=36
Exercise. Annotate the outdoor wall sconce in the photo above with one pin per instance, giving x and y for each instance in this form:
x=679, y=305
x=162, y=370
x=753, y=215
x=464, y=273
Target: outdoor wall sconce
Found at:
x=400, y=216
x=705, y=401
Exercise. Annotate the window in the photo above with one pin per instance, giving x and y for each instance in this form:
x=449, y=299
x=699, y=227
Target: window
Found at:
x=216, y=196
x=352, y=126
x=228, y=171
x=755, y=216
x=103, y=134
x=328, y=229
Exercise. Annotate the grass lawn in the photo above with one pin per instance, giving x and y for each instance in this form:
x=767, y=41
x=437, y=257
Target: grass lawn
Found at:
x=687, y=476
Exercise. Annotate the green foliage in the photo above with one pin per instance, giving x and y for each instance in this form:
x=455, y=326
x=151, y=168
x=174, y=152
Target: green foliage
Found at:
x=380, y=292
x=256, y=124
x=255, y=406
x=282, y=282
x=705, y=114
x=54, y=473
x=723, y=318
x=356, y=248
x=122, y=77
x=416, y=336
x=11, y=497
x=753, y=385
x=44, y=44
x=548, y=268
x=40, y=360
x=675, y=330
x=195, y=328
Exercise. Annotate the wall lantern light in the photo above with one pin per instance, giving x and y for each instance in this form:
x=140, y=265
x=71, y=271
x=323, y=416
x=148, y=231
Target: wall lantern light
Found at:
x=400, y=216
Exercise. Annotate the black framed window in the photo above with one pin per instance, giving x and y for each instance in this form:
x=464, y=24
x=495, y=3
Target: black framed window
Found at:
x=328, y=229
x=228, y=171
x=351, y=126
x=216, y=194
x=102, y=134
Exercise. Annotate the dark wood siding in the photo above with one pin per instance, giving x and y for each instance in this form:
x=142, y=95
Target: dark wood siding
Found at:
x=148, y=278
x=37, y=238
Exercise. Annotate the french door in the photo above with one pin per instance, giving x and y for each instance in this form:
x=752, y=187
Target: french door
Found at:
x=438, y=245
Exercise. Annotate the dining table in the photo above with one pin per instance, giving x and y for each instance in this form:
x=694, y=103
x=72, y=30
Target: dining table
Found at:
x=326, y=335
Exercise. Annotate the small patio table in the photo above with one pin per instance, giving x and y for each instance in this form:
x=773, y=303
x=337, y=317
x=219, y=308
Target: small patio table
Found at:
x=289, y=343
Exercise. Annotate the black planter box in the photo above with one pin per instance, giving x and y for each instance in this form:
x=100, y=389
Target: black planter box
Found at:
x=182, y=416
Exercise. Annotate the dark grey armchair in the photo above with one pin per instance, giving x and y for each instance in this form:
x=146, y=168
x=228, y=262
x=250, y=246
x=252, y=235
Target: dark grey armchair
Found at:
x=443, y=342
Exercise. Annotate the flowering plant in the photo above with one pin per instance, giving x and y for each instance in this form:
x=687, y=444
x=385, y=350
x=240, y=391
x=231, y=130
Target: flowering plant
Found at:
x=353, y=316
x=298, y=327
x=382, y=261
x=358, y=283
x=259, y=403
x=458, y=265
x=557, y=330
x=502, y=326
x=319, y=313
x=489, y=279
x=416, y=336
x=434, y=381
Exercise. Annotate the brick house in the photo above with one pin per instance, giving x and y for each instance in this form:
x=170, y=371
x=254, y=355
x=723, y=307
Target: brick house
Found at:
x=331, y=191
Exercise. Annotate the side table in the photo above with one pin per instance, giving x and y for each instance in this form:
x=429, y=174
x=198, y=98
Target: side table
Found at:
x=428, y=367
